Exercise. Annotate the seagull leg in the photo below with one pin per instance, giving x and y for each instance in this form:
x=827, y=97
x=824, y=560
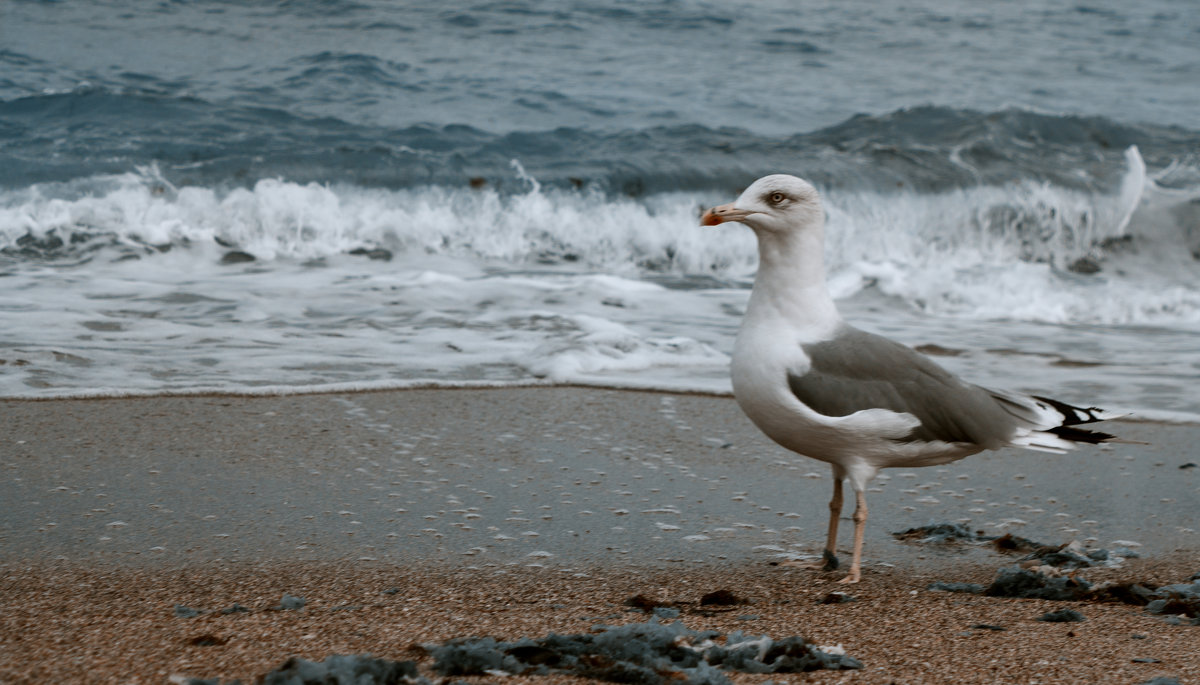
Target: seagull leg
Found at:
x=829, y=554
x=860, y=523
x=835, y=512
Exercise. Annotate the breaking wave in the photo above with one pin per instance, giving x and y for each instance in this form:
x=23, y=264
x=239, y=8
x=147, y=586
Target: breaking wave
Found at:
x=1027, y=250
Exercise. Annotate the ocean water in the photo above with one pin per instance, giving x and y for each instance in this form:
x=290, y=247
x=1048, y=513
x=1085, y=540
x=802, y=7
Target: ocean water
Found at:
x=333, y=194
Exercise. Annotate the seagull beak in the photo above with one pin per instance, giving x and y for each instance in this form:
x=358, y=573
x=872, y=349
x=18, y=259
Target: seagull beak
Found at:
x=723, y=213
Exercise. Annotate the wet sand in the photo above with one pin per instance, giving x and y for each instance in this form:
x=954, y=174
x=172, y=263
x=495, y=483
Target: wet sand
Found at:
x=519, y=512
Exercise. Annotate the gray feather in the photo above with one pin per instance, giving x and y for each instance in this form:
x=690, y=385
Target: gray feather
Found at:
x=857, y=370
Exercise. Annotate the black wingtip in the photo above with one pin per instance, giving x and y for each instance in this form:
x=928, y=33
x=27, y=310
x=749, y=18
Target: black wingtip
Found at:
x=1073, y=415
x=1068, y=432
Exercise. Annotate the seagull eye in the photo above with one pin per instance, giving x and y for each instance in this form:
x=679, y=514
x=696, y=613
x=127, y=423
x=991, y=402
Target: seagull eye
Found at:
x=776, y=198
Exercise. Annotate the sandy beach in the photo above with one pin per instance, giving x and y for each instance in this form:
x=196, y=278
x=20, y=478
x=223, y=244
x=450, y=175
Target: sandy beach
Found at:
x=397, y=339
x=412, y=517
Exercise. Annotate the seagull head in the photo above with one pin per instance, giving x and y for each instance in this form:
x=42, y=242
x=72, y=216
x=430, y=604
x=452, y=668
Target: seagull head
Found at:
x=773, y=204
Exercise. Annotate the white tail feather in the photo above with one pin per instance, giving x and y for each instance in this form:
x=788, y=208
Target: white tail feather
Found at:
x=1042, y=442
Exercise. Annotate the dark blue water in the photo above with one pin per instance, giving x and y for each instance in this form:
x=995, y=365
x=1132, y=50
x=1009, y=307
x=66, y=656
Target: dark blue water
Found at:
x=637, y=97
x=211, y=183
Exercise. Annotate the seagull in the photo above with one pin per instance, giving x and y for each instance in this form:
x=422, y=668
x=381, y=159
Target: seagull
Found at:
x=856, y=400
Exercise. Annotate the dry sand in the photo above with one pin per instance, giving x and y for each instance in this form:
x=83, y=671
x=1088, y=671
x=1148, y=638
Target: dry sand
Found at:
x=521, y=512
x=109, y=625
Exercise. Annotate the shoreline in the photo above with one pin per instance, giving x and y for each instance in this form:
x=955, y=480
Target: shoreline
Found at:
x=1158, y=416
x=520, y=512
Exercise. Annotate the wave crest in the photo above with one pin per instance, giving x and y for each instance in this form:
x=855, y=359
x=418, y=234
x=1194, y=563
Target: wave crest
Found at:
x=1030, y=250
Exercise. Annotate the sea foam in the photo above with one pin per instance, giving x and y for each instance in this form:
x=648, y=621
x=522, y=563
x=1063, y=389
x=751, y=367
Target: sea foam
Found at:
x=119, y=284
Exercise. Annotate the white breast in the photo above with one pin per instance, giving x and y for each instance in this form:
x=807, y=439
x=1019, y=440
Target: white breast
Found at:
x=765, y=353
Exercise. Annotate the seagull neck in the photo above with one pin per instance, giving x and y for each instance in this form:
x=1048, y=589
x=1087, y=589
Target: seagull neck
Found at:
x=791, y=278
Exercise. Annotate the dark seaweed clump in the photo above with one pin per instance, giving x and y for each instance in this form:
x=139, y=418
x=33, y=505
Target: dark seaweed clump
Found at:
x=1023, y=582
x=344, y=670
x=1019, y=582
x=940, y=533
x=1062, y=616
x=1180, y=603
x=1069, y=556
x=360, y=669
x=949, y=533
x=648, y=653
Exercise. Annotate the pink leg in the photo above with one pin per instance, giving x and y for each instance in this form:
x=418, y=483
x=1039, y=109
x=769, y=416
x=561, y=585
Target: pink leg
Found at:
x=835, y=512
x=860, y=524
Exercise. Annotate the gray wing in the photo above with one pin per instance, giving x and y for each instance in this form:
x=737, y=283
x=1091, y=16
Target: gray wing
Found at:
x=858, y=370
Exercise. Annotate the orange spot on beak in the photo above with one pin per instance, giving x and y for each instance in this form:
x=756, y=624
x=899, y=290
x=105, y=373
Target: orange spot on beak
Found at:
x=723, y=214
x=710, y=218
